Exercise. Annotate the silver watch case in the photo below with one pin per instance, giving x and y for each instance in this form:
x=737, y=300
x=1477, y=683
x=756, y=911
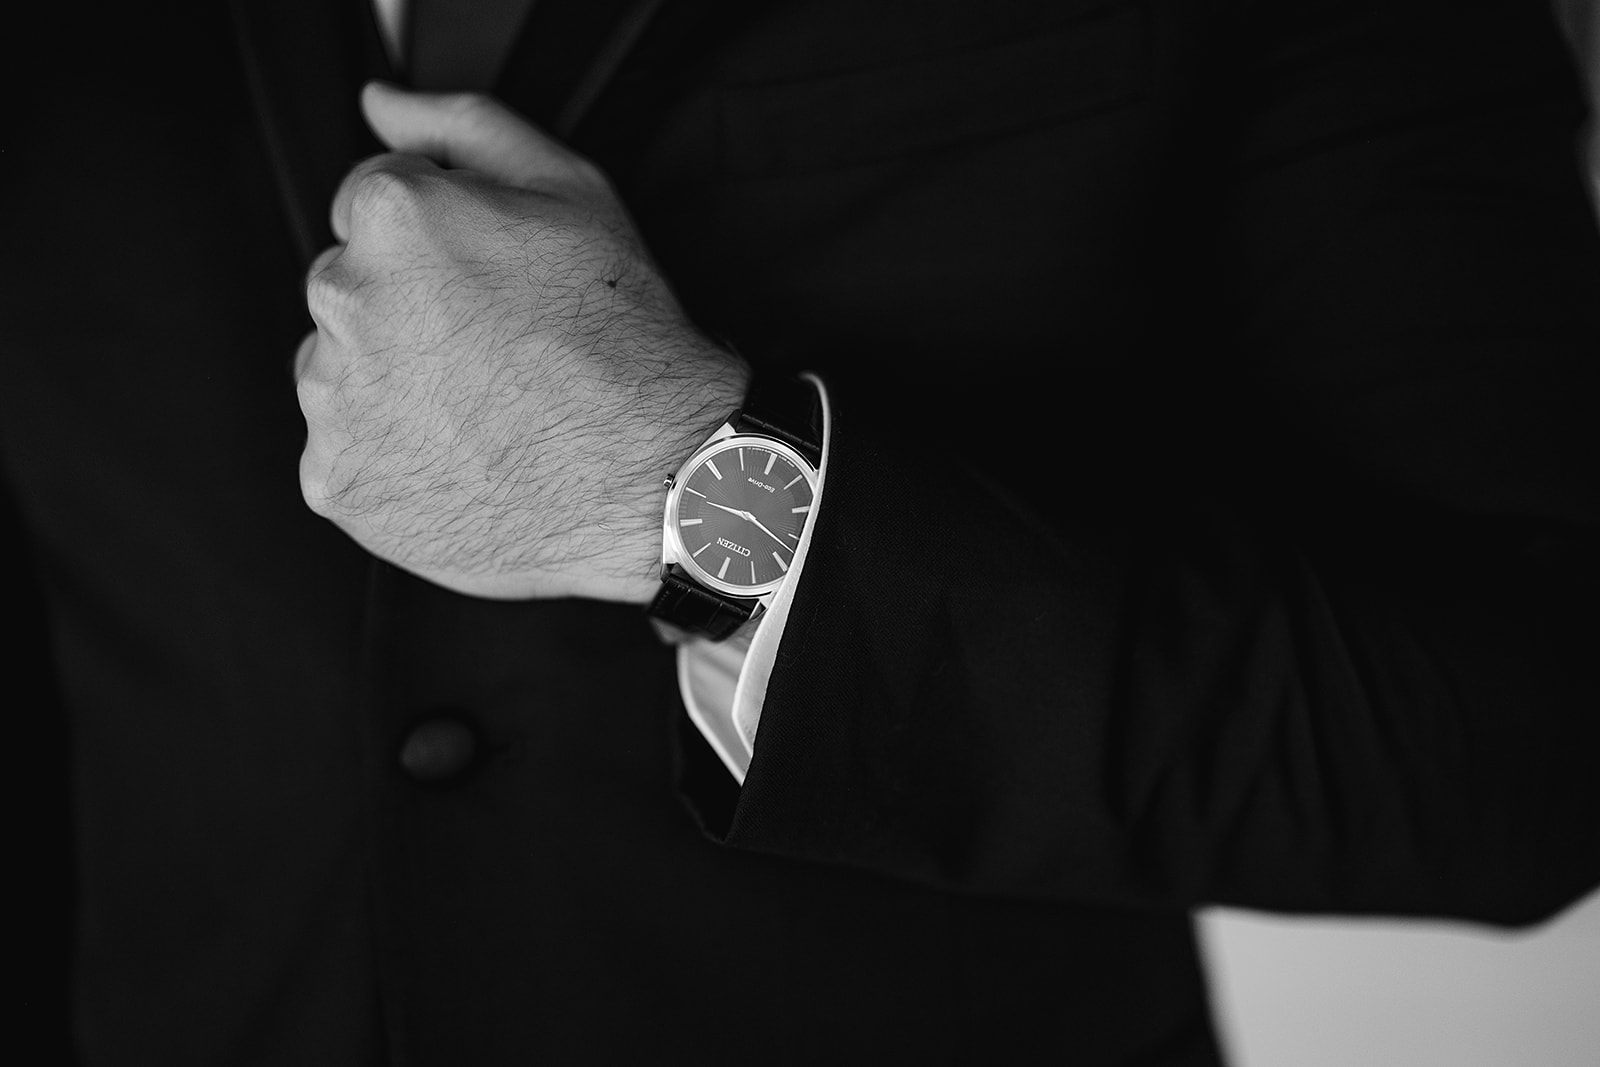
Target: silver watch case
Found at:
x=672, y=547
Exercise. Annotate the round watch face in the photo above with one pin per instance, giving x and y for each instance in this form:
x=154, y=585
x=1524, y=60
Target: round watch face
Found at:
x=741, y=504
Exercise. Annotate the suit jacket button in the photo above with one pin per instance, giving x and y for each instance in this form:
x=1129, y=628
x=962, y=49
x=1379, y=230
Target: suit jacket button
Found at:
x=439, y=750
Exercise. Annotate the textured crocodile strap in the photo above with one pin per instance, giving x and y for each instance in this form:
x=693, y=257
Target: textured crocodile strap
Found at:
x=699, y=610
x=789, y=409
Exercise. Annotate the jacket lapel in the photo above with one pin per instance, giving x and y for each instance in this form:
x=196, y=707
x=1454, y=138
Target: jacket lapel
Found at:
x=567, y=54
x=453, y=46
x=306, y=61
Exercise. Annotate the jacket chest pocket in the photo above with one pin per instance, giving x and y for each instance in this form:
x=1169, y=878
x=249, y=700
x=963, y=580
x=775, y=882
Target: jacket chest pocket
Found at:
x=1051, y=75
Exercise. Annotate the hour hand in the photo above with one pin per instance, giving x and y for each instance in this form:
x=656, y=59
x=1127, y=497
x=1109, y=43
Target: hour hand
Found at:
x=731, y=511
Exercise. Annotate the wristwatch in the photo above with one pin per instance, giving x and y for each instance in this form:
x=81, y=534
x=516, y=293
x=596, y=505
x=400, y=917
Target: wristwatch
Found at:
x=736, y=509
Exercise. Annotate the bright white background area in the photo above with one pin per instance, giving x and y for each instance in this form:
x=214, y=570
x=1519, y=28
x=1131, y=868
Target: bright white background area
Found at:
x=1349, y=993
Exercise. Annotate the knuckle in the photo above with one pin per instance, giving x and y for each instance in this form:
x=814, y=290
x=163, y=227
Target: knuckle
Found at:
x=325, y=259
x=328, y=293
x=314, y=482
x=304, y=355
x=383, y=192
x=316, y=398
x=311, y=393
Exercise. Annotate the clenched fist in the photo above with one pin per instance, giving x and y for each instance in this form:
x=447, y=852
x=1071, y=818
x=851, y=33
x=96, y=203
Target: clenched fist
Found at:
x=499, y=378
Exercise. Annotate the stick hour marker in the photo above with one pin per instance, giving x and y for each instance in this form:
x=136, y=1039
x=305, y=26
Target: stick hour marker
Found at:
x=796, y=478
x=696, y=492
x=723, y=570
x=752, y=572
x=713, y=465
x=741, y=459
x=784, y=567
x=770, y=461
x=690, y=522
x=699, y=550
x=803, y=508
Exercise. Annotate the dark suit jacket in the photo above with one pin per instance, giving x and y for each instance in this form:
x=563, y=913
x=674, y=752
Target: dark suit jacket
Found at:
x=1211, y=517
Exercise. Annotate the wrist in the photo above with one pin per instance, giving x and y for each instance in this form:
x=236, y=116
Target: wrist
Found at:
x=687, y=409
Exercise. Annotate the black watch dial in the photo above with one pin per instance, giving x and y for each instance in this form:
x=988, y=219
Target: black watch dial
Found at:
x=741, y=507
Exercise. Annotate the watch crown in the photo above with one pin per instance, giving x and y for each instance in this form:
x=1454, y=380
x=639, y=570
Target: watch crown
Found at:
x=666, y=483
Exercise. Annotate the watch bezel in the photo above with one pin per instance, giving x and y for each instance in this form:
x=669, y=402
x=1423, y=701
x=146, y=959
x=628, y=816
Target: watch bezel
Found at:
x=673, y=550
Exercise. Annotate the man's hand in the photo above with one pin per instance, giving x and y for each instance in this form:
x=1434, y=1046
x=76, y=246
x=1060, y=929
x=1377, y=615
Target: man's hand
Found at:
x=499, y=378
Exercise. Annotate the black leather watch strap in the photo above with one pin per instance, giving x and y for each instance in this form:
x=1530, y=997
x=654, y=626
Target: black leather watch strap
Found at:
x=692, y=607
x=787, y=408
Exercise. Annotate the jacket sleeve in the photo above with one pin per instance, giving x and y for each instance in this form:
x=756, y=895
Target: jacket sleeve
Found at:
x=1351, y=668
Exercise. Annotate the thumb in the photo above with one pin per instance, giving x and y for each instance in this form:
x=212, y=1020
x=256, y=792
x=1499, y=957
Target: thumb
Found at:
x=470, y=131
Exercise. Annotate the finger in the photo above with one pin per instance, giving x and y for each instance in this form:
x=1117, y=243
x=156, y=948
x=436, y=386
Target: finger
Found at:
x=322, y=288
x=320, y=264
x=318, y=270
x=302, y=355
x=380, y=176
x=472, y=131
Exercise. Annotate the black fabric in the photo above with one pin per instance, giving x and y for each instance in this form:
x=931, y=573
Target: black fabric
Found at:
x=454, y=47
x=1287, y=604
x=556, y=52
x=303, y=65
x=1260, y=570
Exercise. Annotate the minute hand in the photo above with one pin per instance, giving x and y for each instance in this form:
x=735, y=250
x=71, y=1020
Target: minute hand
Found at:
x=746, y=515
x=766, y=531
